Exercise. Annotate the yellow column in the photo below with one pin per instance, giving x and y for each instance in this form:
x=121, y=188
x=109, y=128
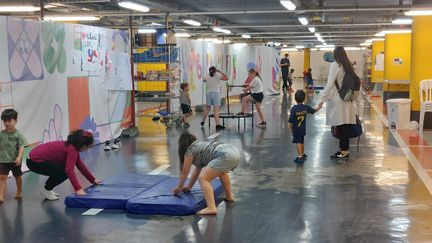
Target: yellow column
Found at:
x=421, y=67
x=397, y=60
x=306, y=65
x=377, y=74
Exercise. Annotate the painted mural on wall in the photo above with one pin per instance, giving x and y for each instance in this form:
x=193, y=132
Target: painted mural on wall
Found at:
x=197, y=56
x=68, y=64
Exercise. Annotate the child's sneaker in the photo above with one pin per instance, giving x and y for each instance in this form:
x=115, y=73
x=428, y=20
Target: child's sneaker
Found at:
x=49, y=195
x=220, y=127
x=304, y=156
x=116, y=144
x=299, y=160
x=107, y=146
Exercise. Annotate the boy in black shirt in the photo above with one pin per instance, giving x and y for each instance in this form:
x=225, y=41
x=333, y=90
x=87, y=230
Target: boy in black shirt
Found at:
x=297, y=123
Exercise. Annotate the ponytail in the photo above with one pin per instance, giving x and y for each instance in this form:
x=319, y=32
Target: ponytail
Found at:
x=255, y=72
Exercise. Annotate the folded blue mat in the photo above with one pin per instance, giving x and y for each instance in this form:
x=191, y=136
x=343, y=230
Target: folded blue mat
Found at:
x=159, y=200
x=114, y=192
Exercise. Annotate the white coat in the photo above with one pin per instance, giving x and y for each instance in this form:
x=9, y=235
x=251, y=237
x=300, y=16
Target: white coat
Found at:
x=338, y=112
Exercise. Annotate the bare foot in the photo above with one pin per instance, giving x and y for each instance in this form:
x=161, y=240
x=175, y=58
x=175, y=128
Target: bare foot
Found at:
x=229, y=198
x=207, y=211
x=18, y=196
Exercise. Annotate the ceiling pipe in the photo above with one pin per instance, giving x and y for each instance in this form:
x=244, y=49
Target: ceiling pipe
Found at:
x=302, y=37
x=242, y=12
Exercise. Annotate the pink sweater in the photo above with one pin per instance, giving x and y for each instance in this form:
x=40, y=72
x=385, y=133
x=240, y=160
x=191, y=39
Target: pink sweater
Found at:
x=58, y=152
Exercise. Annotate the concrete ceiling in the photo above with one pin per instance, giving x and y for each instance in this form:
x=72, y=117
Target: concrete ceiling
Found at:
x=346, y=22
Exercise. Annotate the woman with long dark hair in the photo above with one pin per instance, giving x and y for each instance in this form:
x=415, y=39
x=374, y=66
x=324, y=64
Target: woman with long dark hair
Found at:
x=58, y=160
x=339, y=113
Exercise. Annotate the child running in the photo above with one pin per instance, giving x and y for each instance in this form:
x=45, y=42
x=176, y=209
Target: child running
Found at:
x=290, y=80
x=211, y=160
x=11, y=151
x=297, y=123
x=310, y=79
x=185, y=103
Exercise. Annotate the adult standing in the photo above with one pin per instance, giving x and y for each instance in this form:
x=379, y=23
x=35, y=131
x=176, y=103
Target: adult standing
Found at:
x=58, y=159
x=213, y=97
x=339, y=113
x=285, y=64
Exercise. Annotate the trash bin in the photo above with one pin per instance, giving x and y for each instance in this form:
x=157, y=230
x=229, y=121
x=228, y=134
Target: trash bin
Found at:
x=399, y=112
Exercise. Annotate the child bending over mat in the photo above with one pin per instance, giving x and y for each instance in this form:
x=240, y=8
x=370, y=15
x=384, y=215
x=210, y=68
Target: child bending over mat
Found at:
x=211, y=160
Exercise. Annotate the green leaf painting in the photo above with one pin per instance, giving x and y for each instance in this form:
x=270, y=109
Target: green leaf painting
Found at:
x=54, y=53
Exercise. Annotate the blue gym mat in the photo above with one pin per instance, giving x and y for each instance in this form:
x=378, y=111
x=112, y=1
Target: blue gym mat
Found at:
x=114, y=192
x=159, y=200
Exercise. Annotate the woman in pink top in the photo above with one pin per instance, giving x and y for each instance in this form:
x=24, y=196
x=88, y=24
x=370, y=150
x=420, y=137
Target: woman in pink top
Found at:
x=57, y=160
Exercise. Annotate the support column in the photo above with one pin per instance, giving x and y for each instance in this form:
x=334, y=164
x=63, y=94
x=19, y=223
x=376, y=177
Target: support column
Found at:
x=421, y=45
x=306, y=61
x=397, y=65
x=377, y=73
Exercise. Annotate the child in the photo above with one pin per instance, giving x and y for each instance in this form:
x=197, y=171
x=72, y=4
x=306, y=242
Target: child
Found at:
x=309, y=79
x=290, y=80
x=297, y=123
x=211, y=160
x=11, y=151
x=185, y=103
x=58, y=160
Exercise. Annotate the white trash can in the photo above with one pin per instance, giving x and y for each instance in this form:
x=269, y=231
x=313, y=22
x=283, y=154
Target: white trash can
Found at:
x=399, y=113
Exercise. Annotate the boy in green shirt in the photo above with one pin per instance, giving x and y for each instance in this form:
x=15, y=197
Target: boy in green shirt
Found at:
x=11, y=151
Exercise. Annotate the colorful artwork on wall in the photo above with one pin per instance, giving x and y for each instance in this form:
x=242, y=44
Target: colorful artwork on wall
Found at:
x=24, y=50
x=54, y=53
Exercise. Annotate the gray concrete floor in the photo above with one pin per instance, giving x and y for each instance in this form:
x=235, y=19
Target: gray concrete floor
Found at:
x=375, y=196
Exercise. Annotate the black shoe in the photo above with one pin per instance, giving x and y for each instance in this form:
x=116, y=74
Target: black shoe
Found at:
x=262, y=124
x=339, y=155
x=304, y=156
x=299, y=160
x=219, y=127
x=202, y=123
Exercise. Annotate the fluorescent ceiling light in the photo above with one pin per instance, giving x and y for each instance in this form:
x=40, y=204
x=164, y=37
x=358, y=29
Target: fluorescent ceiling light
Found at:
x=134, y=6
x=303, y=20
x=146, y=31
x=300, y=47
x=192, y=22
x=246, y=36
x=155, y=24
x=350, y=48
x=312, y=29
x=366, y=44
x=71, y=18
x=217, y=29
x=374, y=39
x=324, y=46
x=289, y=49
x=384, y=32
x=222, y=41
x=270, y=43
x=285, y=46
x=277, y=44
x=402, y=21
x=182, y=35
x=314, y=49
x=19, y=8
x=288, y=5
x=419, y=12
x=363, y=48
x=317, y=35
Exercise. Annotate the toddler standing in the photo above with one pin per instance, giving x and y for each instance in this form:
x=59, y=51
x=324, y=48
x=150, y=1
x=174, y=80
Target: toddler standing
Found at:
x=11, y=151
x=185, y=103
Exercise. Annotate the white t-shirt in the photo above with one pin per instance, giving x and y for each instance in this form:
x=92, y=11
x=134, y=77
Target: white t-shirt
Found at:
x=256, y=85
x=213, y=83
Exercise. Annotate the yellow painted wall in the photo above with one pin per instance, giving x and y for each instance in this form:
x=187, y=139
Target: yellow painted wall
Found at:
x=397, y=46
x=377, y=48
x=306, y=65
x=421, y=54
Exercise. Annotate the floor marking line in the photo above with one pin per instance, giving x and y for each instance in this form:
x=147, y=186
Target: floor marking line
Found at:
x=159, y=170
x=92, y=211
x=421, y=172
x=213, y=136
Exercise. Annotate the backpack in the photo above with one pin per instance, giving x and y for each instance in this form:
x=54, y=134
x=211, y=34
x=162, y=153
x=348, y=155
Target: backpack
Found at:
x=350, y=87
